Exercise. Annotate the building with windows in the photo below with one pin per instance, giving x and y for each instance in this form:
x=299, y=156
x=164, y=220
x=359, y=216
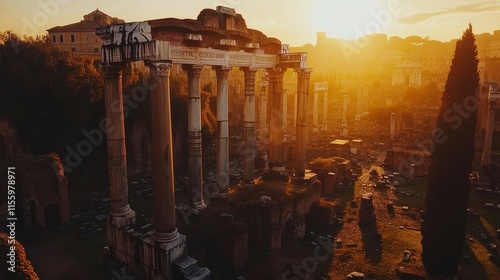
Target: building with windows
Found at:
x=80, y=37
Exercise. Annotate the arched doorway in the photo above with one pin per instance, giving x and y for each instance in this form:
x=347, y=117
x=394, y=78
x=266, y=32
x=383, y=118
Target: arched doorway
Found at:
x=34, y=218
x=52, y=215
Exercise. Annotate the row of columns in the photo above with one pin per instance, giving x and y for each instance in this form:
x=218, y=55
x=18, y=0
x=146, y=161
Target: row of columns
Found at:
x=165, y=230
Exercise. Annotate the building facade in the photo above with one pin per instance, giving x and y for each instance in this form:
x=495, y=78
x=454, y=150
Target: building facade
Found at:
x=80, y=37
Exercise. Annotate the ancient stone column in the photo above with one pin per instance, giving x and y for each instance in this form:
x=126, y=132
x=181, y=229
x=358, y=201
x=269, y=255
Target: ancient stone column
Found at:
x=285, y=110
x=303, y=75
x=249, y=127
x=344, y=131
x=195, y=163
x=117, y=159
x=325, y=110
x=315, y=111
x=488, y=137
x=393, y=125
x=263, y=131
x=276, y=152
x=295, y=110
x=165, y=230
x=222, y=178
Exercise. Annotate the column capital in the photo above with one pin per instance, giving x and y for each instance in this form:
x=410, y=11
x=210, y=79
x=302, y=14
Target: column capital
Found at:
x=249, y=74
x=193, y=70
x=222, y=70
x=159, y=67
x=112, y=70
x=276, y=73
x=249, y=70
x=303, y=73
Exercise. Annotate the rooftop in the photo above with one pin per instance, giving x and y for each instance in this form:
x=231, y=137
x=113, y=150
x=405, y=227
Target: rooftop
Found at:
x=89, y=23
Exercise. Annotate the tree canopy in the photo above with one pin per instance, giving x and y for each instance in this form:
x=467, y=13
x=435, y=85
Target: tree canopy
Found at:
x=50, y=94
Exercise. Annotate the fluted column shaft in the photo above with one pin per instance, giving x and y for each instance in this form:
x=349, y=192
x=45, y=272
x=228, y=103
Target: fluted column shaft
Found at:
x=222, y=178
x=303, y=75
x=195, y=161
x=165, y=230
x=276, y=152
x=115, y=129
x=315, y=111
x=249, y=127
x=325, y=109
x=263, y=131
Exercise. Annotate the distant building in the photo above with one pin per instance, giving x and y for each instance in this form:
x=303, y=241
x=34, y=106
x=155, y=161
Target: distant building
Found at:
x=80, y=37
x=407, y=73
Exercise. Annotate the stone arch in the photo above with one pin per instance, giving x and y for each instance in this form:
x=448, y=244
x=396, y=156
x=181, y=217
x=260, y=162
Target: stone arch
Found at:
x=52, y=215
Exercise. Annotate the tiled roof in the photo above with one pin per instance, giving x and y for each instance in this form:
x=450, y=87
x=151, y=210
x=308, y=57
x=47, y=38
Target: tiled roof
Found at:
x=86, y=24
x=79, y=26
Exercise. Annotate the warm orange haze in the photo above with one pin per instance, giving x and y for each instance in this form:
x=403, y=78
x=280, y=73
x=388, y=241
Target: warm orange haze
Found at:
x=250, y=140
x=294, y=22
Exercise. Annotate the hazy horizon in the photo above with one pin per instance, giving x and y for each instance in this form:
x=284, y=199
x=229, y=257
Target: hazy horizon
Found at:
x=296, y=23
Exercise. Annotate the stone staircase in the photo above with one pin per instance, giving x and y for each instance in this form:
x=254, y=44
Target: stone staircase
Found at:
x=187, y=268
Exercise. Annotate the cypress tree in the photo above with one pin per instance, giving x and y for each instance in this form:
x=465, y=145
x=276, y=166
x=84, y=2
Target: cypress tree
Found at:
x=447, y=197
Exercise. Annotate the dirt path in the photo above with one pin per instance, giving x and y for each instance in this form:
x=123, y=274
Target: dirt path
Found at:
x=53, y=261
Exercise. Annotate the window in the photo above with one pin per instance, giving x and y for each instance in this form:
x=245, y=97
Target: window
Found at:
x=87, y=39
x=53, y=38
x=73, y=50
x=61, y=38
x=96, y=50
x=72, y=38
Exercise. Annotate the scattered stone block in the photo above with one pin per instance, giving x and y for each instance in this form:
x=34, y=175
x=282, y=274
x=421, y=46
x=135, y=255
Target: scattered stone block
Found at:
x=356, y=276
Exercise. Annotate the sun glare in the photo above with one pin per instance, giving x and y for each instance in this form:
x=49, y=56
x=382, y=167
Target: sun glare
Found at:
x=345, y=19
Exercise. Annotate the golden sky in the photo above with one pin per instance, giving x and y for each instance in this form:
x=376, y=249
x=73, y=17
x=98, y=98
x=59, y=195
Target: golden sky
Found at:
x=292, y=21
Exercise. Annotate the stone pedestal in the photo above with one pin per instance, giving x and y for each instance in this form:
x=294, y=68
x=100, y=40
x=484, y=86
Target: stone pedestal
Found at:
x=330, y=183
x=366, y=210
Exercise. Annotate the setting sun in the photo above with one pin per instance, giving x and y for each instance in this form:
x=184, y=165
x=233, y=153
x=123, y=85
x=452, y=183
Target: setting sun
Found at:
x=346, y=20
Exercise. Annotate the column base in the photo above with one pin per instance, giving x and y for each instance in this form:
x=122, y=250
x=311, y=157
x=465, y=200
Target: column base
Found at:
x=121, y=218
x=165, y=237
x=199, y=205
x=248, y=184
x=222, y=194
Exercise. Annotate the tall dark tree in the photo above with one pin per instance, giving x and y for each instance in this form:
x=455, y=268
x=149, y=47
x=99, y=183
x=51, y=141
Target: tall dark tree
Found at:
x=447, y=198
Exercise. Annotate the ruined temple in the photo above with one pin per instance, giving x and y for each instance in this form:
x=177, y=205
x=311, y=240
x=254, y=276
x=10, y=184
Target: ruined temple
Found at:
x=41, y=187
x=218, y=39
